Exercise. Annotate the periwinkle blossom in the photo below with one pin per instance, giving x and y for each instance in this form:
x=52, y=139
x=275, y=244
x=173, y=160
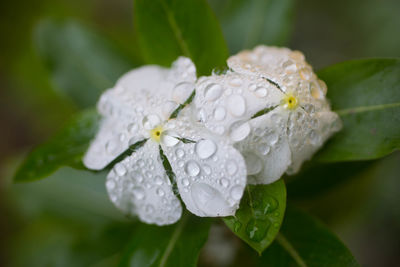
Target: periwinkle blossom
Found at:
x=145, y=131
x=271, y=106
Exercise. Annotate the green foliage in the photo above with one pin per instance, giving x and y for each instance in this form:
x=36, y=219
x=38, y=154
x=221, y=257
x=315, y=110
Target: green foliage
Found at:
x=303, y=241
x=260, y=215
x=247, y=23
x=366, y=95
x=82, y=64
x=175, y=245
x=170, y=28
x=65, y=148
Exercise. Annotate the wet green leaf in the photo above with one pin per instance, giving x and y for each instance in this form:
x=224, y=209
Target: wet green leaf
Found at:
x=175, y=245
x=247, y=23
x=366, y=95
x=260, y=215
x=65, y=148
x=303, y=241
x=82, y=63
x=171, y=28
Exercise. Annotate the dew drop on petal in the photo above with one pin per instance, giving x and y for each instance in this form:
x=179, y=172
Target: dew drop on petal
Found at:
x=272, y=138
x=219, y=113
x=236, y=192
x=110, y=185
x=239, y=132
x=180, y=153
x=158, y=180
x=261, y=92
x=168, y=140
x=236, y=82
x=112, y=146
x=138, y=193
x=212, y=92
x=160, y=192
x=236, y=105
x=185, y=182
x=231, y=167
x=120, y=169
x=224, y=182
x=192, y=168
x=151, y=121
x=253, y=163
x=182, y=91
x=205, y=148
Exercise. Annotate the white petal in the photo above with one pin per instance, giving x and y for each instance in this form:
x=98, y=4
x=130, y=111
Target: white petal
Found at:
x=266, y=149
x=307, y=133
x=210, y=174
x=113, y=138
x=225, y=102
x=139, y=186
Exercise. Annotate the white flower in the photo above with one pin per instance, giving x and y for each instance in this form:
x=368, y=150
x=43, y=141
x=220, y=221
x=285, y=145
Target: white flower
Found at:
x=271, y=106
x=139, y=113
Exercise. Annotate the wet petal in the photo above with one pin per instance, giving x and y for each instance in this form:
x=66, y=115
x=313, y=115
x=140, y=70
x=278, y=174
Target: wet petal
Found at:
x=266, y=149
x=210, y=174
x=139, y=186
x=223, y=102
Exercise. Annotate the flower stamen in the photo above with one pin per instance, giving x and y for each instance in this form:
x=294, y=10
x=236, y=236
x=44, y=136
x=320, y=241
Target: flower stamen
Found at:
x=289, y=102
x=156, y=133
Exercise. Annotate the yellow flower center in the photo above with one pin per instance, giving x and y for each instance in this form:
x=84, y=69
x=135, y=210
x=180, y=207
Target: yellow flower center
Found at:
x=290, y=101
x=155, y=134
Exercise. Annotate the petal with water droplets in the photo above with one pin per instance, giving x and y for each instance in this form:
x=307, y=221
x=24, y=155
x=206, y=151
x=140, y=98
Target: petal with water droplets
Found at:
x=138, y=185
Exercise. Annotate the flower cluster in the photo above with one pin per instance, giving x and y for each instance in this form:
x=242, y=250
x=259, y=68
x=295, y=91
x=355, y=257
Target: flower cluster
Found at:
x=171, y=138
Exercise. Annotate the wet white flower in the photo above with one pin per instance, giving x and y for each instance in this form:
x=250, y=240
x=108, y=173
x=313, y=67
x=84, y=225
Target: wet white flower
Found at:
x=142, y=128
x=271, y=106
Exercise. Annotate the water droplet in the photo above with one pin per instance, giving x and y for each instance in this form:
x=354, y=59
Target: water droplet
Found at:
x=112, y=146
x=257, y=229
x=169, y=139
x=185, y=182
x=180, y=153
x=207, y=169
x=201, y=115
x=182, y=91
x=168, y=107
x=219, y=113
x=138, y=193
x=224, y=182
x=231, y=167
x=314, y=137
x=205, y=148
x=236, y=105
x=237, y=192
x=272, y=138
x=158, y=180
x=264, y=149
x=120, y=169
x=309, y=108
x=239, y=131
x=252, y=87
x=192, y=168
x=263, y=205
x=212, y=92
x=110, y=185
x=236, y=82
x=160, y=192
x=132, y=128
x=151, y=121
x=261, y=92
x=253, y=163
x=236, y=226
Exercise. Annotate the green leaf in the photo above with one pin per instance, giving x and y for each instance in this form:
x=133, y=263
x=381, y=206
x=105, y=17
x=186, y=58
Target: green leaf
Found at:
x=319, y=178
x=82, y=64
x=304, y=241
x=171, y=28
x=260, y=215
x=247, y=23
x=366, y=95
x=65, y=148
x=176, y=245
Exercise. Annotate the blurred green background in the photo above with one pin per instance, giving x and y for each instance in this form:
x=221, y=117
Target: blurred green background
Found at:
x=58, y=221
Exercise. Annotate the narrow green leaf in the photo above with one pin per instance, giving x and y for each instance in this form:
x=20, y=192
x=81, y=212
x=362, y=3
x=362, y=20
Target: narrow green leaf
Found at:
x=171, y=28
x=174, y=246
x=304, y=241
x=65, y=148
x=260, y=215
x=82, y=63
x=366, y=95
x=247, y=23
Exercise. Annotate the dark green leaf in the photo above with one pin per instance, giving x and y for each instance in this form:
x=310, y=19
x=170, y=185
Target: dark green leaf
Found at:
x=304, y=241
x=171, y=28
x=317, y=179
x=175, y=246
x=247, y=23
x=82, y=64
x=366, y=95
x=260, y=215
x=65, y=148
